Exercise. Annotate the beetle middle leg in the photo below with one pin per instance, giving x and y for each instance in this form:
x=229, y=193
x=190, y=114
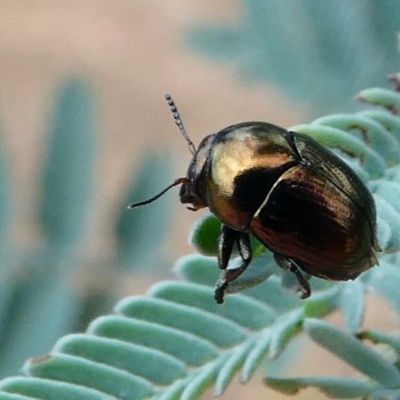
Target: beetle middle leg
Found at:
x=288, y=265
x=226, y=240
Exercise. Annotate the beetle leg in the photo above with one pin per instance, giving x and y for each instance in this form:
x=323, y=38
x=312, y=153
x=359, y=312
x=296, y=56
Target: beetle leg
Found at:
x=226, y=240
x=288, y=265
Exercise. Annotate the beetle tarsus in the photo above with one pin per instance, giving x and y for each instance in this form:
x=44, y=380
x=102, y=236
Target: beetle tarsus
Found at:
x=226, y=240
x=304, y=287
x=288, y=265
x=220, y=291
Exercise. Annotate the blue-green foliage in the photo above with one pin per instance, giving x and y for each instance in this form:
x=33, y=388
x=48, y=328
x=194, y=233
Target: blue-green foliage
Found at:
x=67, y=184
x=37, y=301
x=6, y=250
x=176, y=342
x=319, y=52
x=40, y=305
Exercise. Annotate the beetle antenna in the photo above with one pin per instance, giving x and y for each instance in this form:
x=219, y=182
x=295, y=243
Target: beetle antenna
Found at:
x=178, y=122
x=151, y=199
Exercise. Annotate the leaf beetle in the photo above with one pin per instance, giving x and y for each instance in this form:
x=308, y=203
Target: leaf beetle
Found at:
x=299, y=199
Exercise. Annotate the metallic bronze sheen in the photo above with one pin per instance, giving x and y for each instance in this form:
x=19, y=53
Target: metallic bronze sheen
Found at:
x=245, y=162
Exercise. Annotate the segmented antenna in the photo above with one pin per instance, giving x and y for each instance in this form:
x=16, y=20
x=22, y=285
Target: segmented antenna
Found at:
x=178, y=122
x=155, y=197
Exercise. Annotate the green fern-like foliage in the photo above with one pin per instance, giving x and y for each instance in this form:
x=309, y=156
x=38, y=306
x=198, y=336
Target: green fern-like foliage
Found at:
x=176, y=342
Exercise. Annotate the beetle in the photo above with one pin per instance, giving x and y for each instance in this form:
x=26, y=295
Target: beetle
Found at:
x=298, y=198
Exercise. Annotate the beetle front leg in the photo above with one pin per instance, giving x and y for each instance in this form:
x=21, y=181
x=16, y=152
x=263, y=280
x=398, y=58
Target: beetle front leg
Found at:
x=225, y=245
x=226, y=240
x=288, y=265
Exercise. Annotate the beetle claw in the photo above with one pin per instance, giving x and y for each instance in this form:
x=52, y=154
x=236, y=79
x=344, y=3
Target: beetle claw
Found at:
x=288, y=265
x=305, y=290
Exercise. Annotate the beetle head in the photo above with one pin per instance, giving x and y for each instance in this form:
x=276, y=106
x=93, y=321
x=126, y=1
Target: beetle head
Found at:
x=193, y=190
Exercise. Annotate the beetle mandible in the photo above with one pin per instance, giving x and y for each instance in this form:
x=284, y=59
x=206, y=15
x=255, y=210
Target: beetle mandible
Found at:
x=299, y=199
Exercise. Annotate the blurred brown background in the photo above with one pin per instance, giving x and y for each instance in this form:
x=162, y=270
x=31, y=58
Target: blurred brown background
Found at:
x=132, y=52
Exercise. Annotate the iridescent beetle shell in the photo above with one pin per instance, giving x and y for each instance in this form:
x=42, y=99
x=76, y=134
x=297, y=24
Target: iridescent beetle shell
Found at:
x=295, y=196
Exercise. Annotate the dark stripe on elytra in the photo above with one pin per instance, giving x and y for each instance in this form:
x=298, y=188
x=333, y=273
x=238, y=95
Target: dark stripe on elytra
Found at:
x=252, y=186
